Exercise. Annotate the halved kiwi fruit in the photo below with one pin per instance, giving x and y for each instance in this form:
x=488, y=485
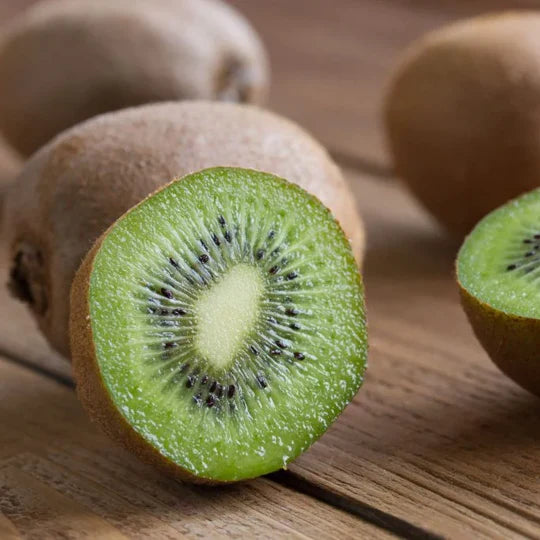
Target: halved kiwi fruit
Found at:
x=498, y=270
x=218, y=328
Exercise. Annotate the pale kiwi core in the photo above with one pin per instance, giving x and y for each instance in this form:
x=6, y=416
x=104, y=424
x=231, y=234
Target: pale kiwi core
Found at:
x=226, y=314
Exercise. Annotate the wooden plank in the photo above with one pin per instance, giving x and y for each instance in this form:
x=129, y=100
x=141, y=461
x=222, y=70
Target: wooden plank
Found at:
x=331, y=60
x=34, y=508
x=7, y=529
x=59, y=475
x=438, y=436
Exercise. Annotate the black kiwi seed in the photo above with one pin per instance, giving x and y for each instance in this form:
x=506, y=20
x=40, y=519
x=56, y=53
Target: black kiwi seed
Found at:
x=537, y=236
x=294, y=326
x=174, y=263
x=204, y=379
x=163, y=312
x=231, y=391
x=227, y=236
x=219, y=390
x=203, y=244
x=169, y=345
x=275, y=352
x=299, y=355
x=511, y=267
x=527, y=241
x=260, y=254
x=211, y=400
x=262, y=381
x=221, y=220
x=190, y=381
x=292, y=275
x=253, y=350
x=213, y=386
x=204, y=258
x=167, y=293
x=293, y=312
x=274, y=270
x=178, y=311
x=529, y=254
x=271, y=234
x=281, y=344
x=216, y=240
x=271, y=320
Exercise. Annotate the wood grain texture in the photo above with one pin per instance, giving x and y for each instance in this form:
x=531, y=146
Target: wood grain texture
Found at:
x=7, y=529
x=59, y=477
x=331, y=59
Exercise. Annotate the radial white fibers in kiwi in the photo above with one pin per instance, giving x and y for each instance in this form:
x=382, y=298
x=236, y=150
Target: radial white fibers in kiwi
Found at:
x=227, y=322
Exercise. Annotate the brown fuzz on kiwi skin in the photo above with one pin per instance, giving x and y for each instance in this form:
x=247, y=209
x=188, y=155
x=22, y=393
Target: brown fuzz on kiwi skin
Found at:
x=73, y=189
x=91, y=387
x=462, y=116
x=512, y=342
x=121, y=54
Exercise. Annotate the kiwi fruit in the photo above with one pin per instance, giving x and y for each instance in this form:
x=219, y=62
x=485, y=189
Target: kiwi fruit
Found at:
x=498, y=270
x=218, y=328
x=74, y=188
x=62, y=62
x=462, y=116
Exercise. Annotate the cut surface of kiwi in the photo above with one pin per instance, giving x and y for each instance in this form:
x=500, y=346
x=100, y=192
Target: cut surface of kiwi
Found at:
x=498, y=270
x=227, y=324
x=499, y=262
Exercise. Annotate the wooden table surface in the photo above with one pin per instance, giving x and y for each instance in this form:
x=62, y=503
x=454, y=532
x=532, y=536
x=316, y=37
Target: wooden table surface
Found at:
x=436, y=444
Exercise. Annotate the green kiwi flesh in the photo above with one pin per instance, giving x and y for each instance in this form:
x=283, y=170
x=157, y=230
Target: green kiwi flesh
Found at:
x=499, y=262
x=228, y=322
x=498, y=270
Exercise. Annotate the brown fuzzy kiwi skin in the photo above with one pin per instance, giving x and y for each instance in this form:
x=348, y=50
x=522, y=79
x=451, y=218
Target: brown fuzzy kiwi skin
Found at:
x=91, y=387
x=62, y=62
x=73, y=189
x=512, y=342
x=462, y=116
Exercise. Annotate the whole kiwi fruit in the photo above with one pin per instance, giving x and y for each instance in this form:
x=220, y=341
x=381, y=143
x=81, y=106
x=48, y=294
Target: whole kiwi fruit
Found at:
x=76, y=186
x=62, y=62
x=498, y=270
x=218, y=327
x=463, y=116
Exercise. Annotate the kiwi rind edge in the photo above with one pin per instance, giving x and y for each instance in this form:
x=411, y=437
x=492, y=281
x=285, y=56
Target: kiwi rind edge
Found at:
x=91, y=389
x=512, y=341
